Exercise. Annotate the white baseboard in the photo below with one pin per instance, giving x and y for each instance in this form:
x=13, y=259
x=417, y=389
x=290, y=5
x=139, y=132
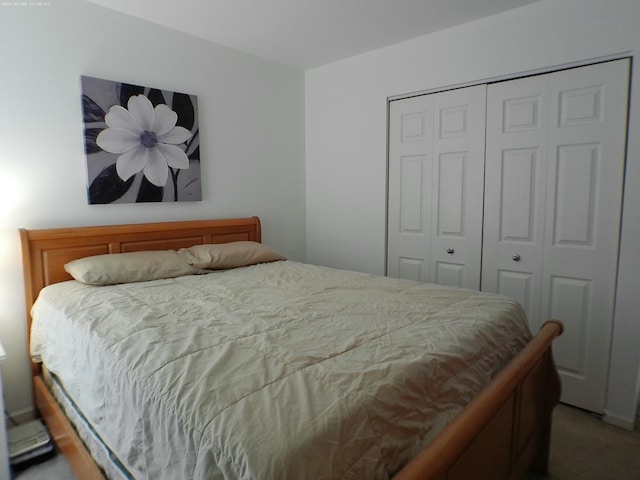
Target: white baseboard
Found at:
x=622, y=422
x=21, y=416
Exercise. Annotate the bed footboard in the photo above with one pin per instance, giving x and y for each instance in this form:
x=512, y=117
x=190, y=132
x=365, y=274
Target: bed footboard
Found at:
x=503, y=431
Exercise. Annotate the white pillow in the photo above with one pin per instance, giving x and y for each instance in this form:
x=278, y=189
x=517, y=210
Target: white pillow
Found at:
x=130, y=267
x=220, y=256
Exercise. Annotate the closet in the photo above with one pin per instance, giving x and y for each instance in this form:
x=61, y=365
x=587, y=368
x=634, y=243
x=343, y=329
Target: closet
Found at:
x=515, y=187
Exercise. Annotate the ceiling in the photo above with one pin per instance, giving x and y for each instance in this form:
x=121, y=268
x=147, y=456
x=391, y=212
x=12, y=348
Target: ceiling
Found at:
x=309, y=33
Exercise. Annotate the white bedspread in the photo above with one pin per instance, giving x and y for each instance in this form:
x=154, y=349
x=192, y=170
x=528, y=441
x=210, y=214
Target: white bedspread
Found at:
x=275, y=371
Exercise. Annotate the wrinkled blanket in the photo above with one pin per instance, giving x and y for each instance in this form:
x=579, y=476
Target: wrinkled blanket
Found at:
x=274, y=371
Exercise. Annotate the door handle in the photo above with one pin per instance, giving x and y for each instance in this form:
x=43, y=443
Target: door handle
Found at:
x=450, y=251
x=516, y=258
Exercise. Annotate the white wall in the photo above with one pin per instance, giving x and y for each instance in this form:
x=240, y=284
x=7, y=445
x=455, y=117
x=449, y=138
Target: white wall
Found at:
x=251, y=138
x=347, y=128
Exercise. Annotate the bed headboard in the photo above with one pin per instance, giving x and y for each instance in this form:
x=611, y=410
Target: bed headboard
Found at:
x=45, y=252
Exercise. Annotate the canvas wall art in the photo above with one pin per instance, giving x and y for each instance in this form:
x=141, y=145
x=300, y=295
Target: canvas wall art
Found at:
x=142, y=143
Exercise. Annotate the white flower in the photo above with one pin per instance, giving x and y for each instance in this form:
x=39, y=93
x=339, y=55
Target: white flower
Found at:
x=146, y=138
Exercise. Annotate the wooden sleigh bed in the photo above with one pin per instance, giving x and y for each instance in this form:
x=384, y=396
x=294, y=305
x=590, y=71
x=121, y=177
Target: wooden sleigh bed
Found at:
x=499, y=435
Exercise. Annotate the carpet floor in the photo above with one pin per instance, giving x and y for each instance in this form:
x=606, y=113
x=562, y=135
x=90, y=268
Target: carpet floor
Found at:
x=583, y=447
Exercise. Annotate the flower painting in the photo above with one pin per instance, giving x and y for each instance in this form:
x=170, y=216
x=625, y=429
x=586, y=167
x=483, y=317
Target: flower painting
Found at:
x=142, y=143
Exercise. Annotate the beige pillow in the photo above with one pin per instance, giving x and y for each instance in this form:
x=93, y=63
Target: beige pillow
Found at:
x=115, y=268
x=228, y=255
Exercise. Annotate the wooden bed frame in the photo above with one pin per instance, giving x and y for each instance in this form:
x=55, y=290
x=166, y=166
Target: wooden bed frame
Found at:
x=501, y=433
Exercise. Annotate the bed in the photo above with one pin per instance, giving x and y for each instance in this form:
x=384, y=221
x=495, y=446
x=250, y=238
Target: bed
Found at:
x=361, y=392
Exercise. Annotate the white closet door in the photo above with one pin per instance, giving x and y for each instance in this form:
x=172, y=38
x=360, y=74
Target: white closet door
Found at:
x=409, y=199
x=555, y=164
x=457, y=187
x=436, y=171
x=515, y=174
x=585, y=173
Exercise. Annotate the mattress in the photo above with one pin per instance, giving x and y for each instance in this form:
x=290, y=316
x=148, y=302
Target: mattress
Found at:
x=273, y=371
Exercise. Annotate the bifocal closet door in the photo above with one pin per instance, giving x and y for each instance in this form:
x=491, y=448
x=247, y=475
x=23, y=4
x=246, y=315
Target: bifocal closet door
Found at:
x=515, y=188
x=409, y=199
x=436, y=168
x=457, y=187
x=584, y=205
x=553, y=199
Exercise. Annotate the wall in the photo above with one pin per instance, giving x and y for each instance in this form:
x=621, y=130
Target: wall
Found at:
x=252, y=137
x=346, y=133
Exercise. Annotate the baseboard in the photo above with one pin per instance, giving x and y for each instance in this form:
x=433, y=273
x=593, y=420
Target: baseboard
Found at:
x=21, y=416
x=622, y=422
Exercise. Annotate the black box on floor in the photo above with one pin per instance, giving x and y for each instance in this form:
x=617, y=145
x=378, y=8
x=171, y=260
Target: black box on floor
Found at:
x=29, y=443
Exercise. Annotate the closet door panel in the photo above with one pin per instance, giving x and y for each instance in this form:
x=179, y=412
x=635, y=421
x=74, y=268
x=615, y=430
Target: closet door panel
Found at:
x=515, y=189
x=409, y=199
x=457, y=186
x=518, y=183
x=517, y=285
x=570, y=299
x=587, y=139
x=436, y=171
x=553, y=198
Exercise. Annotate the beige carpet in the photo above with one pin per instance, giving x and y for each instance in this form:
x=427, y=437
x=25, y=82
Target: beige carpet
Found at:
x=583, y=447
